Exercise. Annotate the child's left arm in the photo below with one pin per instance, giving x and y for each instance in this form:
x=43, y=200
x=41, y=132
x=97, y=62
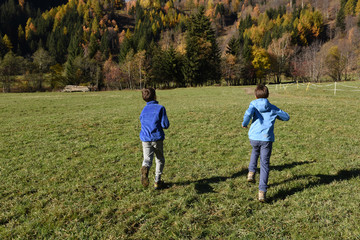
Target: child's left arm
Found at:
x=281, y=115
x=164, y=119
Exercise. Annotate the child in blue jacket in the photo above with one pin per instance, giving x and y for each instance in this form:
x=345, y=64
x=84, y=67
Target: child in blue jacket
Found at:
x=153, y=120
x=261, y=135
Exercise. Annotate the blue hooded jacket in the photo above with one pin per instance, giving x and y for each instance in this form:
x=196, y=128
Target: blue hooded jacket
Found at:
x=263, y=115
x=153, y=120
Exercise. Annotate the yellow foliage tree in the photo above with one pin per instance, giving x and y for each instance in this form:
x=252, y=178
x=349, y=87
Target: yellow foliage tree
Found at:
x=261, y=62
x=357, y=8
x=350, y=7
x=309, y=25
x=7, y=42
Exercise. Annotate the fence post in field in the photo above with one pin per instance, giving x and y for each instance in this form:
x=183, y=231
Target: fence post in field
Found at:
x=308, y=85
x=335, y=89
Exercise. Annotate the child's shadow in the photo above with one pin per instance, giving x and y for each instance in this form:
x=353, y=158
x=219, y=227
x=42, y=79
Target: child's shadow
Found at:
x=321, y=179
x=203, y=185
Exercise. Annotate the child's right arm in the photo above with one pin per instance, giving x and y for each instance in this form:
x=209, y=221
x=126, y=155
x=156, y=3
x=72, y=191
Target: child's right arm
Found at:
x=248, y=115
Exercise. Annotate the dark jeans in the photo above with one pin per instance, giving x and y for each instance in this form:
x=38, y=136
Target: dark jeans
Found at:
x=262, y=149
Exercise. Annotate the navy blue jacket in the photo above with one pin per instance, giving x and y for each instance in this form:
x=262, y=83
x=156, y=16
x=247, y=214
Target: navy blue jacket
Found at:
x=263, y=115
x=153, y=120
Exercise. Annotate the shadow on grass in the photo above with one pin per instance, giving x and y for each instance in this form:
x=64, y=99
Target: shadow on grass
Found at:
x=203, y=185
x=288, y=165
x=321, y=179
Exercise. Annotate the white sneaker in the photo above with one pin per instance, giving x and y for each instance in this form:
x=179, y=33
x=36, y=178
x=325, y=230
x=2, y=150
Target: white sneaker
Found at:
x=251, y=177
x=262, y=196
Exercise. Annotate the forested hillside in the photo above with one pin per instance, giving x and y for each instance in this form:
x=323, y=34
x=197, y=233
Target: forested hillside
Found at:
x=113, y=44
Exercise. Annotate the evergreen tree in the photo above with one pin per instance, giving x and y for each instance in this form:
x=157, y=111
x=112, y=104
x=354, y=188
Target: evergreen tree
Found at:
x=21, y=49
x=340, y=19
x=93, y=46
x=247, y=52
x=105, y=44
x=166, y=67
x=234, y=47
x=73, y=51
x=202, y=58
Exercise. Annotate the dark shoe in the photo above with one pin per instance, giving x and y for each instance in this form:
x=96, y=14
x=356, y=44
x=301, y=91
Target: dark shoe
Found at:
x=251, y=177
x=159, y=185
x=144, y=176
x=262, y=196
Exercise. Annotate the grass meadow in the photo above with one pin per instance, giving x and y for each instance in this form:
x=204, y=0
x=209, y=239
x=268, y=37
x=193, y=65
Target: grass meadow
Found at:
x=70, y=166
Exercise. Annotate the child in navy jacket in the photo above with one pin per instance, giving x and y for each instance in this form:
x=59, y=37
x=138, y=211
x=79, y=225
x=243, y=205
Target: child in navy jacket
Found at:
x=153, y=120
x=261, y=135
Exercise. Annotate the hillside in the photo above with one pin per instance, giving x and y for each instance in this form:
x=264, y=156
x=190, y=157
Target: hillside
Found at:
x=104, y=43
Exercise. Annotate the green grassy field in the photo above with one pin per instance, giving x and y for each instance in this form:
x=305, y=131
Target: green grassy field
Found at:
x=70, y=166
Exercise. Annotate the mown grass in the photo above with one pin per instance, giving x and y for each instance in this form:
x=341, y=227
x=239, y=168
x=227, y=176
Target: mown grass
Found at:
x=69, y=167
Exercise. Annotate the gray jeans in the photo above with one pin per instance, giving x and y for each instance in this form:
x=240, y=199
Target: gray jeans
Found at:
x=149, y=148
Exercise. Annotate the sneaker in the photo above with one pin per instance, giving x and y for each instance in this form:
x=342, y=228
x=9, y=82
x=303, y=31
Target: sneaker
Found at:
x=158, y=185
x=144, y=176
x=251, y=177
x=262, y=196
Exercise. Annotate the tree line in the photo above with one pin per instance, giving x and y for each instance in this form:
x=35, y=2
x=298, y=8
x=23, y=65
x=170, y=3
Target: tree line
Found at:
x=108, y=44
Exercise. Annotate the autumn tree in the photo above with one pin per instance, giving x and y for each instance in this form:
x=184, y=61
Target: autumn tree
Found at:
x=7, y=42
x=233, y=69
x=309, y=26
x=311, y=63
x=127, y=68
x=281, y=51
x=261, y=62
x=3, y=48
x=139, y=67
x=349, y=7
x=10, y=66
x=336, y=64
x=43, y=60
x=112, y=74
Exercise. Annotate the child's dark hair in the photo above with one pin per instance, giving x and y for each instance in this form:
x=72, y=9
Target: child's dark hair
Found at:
x=148, y=94
x=261, y=91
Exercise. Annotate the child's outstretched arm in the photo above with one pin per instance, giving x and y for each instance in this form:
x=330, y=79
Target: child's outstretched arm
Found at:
x=281, y=115
x=164, y=119
x=248, y=115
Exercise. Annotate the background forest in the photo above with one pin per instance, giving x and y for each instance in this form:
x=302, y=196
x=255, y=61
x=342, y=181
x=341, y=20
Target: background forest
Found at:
x=113, y=44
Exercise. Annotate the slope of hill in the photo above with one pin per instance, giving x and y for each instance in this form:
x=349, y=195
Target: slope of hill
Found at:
x=259, y=41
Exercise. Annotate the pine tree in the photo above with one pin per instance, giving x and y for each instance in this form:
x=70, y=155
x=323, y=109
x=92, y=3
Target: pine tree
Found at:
x=202, y=59
x=105, y=44
x=93, y=45
x=73, y=51
x=340, y=19
x=247, y=52
x=234, y=47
